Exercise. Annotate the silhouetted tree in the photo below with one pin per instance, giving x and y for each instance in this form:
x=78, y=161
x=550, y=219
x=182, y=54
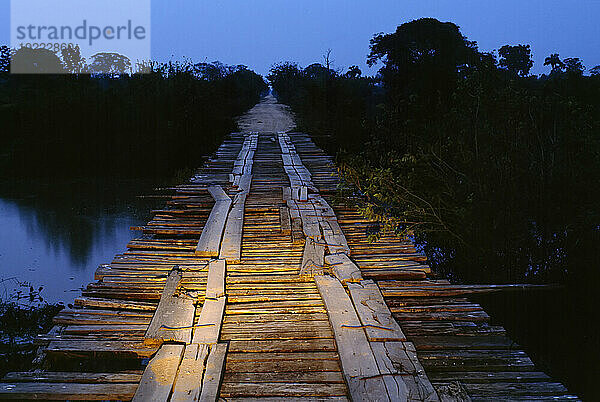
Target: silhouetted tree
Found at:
x=353, y=72
x=110, y=63
x=555, y=62
x=72, y=60
x=4, y=59
x=574, y=66
x=422, y=56
x=595, y=71
x=516, y=59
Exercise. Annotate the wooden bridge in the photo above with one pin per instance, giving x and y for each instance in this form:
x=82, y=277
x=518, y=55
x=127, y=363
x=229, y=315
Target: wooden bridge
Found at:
x=254, y=283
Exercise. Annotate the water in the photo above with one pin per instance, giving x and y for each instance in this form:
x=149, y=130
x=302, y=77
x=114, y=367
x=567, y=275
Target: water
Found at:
x=56, y=234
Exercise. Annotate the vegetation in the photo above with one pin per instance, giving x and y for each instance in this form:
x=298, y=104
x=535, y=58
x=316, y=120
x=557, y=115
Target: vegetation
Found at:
x=494, y=171
x=116, y=124
x=23, y=314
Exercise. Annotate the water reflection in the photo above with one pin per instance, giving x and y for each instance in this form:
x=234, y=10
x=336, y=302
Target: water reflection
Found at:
x=57, y=235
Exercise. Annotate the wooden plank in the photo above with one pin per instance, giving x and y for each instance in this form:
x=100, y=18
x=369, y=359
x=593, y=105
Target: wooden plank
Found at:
x=96, y=347
x=285, y=221
x=173, y=312
x=70, y=376
x=358, y=362
x=231, y=245
x=209, y=323
x=215, y=284
x=245, y=183
x=343, y=268
x=303, y=195
x=159, y=376
x=210, y=238
x=374, y=313
x=188, y=383
x=66, y=391
x=214, y=373
x=313, y=258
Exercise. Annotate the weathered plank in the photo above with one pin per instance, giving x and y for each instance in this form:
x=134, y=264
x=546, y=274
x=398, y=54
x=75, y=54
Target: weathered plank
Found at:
x=285, y=221
x=188, y=383
x=173, y=316
x=358, y=363
x=66, y=391
x=215, y=284
x=214, y=373
x=231, y=245
x=343, y=268
x=374, y=313
x=210, y=238
x=159, y=376
x=209, y=322
x=313, y=258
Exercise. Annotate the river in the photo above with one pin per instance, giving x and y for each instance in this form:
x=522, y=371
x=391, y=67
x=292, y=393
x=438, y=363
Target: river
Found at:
x=55, y=234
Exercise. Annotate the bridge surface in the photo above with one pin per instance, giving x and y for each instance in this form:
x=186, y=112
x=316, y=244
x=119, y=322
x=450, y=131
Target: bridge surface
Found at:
x=255, y=282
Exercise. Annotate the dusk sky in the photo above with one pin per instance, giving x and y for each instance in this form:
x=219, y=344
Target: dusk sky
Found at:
x=262, y=32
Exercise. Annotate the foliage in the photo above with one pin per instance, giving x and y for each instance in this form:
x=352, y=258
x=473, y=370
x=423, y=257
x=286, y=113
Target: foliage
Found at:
x=497, y=176
x=23, y=315
x=516, y=59
x=119, y=124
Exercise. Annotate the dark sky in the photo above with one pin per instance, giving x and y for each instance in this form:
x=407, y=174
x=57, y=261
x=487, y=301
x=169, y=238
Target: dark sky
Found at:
x=259, y=33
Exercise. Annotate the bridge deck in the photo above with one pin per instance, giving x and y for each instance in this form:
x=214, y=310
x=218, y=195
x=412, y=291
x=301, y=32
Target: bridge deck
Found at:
x=255, y=282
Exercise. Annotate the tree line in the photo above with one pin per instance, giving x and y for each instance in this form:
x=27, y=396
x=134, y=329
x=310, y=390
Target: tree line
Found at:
x=495, y=172
x=105, y=120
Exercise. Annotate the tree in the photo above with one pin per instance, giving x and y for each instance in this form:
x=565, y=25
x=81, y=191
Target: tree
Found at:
x=110, y=63
x=419, y=42
x=516, y=59
x=72, y=60
x=353, y=72
x=595, y=71
x=574, y=66
x=4, y=59
x=425, y=54
x=554, y=61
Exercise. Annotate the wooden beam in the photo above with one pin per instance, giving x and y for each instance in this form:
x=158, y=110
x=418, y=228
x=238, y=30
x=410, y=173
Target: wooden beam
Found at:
x=343, y=268
x=215, y=282
x=214, y=373
x=159, y=376
x=374, y=314
x=209, y=322
x=210, y=238
x=358, y=362
x=313, y=258
x=231, y=245
x=285, y=221
x=188, y=383
x=173, y=312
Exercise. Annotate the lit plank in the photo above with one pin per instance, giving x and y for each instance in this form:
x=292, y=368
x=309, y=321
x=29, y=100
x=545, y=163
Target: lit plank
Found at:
x=159, y=376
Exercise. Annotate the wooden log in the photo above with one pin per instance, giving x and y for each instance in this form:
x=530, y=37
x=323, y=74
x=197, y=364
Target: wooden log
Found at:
x=210, y=238
x=173, y=312
x=159, y=376
x=188, y=383
x=214, y=373
x=358, y=362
